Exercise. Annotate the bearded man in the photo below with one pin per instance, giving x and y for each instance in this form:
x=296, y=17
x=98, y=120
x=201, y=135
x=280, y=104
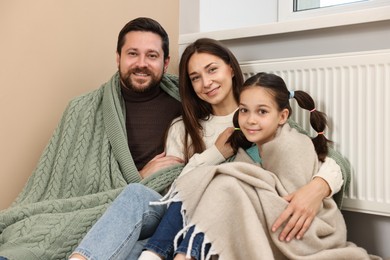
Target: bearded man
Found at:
x=108, y=139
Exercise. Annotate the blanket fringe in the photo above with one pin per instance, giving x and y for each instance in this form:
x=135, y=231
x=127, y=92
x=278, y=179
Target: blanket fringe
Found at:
x=168, y=198
x=183, y=232
x=190, y=243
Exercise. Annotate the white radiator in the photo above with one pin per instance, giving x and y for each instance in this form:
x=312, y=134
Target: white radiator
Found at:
x=353, y=89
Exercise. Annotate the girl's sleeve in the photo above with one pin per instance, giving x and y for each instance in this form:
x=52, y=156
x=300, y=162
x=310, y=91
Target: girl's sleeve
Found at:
x=330, y=171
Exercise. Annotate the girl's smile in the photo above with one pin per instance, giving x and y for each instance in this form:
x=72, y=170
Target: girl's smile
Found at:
x=259, y=116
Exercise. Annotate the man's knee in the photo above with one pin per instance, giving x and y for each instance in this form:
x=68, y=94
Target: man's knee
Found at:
x=139, y=192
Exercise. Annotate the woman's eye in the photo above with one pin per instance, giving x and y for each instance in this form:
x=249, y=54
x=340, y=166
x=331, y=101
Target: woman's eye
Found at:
x=194, y=79
x=242, y=110
x=211, y=70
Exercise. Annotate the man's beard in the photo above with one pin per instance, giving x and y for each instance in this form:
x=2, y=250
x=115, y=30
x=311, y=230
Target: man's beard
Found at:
x=128, y=83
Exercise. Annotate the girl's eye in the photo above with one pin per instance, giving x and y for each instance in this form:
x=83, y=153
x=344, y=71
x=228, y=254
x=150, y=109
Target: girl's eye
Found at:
x=242, y=110
x=262, y=111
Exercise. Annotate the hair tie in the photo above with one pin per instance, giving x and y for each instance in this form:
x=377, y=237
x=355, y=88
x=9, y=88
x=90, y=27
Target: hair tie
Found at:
x=320, y=133
x=291, y=94
x=314, y=109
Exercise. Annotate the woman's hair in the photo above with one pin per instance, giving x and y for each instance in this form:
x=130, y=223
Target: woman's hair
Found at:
x=195, y=109
x=281, y=94
x=144, y=24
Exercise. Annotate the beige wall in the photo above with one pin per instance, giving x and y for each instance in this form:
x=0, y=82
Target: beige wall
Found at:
x=50, y=52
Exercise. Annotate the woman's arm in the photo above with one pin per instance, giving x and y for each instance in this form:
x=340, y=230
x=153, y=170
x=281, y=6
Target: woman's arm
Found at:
x=305, y=203
x=213, y=155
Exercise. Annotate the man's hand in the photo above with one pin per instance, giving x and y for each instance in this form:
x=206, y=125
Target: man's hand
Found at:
x=225, y=148
x=159, y=162
x=304, y=205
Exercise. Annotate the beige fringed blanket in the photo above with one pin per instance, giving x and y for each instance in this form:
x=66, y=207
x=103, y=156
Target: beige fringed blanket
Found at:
x=235, y=205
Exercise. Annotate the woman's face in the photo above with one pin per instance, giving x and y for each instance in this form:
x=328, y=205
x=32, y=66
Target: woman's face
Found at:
x=212, y=81
x=259, y=116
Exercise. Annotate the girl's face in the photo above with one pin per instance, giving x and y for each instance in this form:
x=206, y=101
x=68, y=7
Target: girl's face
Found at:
x=259, y=116
x=211, y=79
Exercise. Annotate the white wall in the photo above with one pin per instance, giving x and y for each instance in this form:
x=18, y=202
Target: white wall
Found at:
x=213, y=15
x=369, y=231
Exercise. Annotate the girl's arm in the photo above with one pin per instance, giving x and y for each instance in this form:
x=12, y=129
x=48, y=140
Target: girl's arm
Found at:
x=330, y=171
x=305, y=203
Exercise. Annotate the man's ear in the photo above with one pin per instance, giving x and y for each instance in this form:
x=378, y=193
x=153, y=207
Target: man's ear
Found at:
x=166, y=63
x=118, y=57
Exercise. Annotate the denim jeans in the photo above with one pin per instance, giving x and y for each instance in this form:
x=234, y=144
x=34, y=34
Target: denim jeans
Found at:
x=125, y=227
x=196, y=248
x=162, y=241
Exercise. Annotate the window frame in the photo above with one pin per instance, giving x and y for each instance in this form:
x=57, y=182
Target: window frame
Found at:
x=286, y=9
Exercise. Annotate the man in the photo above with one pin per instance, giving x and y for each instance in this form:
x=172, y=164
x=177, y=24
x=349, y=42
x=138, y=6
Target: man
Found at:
x=106, y=139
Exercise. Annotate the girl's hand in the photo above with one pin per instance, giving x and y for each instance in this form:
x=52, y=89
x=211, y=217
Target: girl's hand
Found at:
x=304, y=205
x=224, y=148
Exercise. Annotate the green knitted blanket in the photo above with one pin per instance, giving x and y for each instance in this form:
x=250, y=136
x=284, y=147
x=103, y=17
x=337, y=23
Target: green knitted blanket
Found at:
x=84, y=167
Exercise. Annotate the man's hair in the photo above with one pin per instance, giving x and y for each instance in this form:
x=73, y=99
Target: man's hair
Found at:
x=144, y=24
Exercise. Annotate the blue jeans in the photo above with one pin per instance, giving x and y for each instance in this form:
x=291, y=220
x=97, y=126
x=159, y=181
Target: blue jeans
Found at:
x=125, y=227
x=162, y=241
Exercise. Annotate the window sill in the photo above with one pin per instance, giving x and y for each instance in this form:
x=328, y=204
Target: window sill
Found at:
x=320, y=22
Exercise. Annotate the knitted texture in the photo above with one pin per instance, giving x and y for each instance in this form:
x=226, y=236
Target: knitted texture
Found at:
x=84, y=167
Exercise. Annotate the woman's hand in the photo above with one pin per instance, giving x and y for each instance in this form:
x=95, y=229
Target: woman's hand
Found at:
x=225, y=148
x=303, y=206
x=159, y=162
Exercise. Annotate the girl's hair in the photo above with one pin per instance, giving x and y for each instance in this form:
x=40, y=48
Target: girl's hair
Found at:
x=193, y=108
x=281, y=94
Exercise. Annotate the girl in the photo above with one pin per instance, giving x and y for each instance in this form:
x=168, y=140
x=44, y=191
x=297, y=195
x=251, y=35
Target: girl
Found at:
x=241, y=200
